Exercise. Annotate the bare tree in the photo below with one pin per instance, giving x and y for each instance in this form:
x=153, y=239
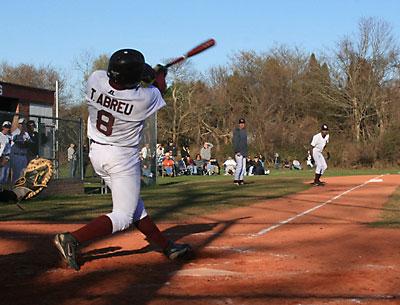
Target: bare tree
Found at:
x=85, y=64
x=362, y=68
x=40, y=77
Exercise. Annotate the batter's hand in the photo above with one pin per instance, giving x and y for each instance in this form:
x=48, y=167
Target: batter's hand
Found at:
x=161, y=69
x=161, y=72
x=148, y=75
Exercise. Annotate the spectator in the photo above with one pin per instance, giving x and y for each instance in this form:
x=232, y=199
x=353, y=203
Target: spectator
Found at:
x=199, y=163
x=159, y=150
x=182, y=168
x=229, y=166
x=159, y=158
x=146, y=153
x=249, y=167
x=185, y=152
x=286, y=164
x=296, y=165
x=205, y=151
x=146, y=172
x=5, y=150
x=19, y=150
x=190, y=166
x=217, y=167
x=171, y=147
x=20, y=126
x=277, y=161
x=33, y=145
x=212, y=167
x=72, y=160
x=262, y=159
x=258, y=167
x=168, y=165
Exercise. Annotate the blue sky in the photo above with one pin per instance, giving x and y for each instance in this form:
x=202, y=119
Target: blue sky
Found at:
x=56, y=32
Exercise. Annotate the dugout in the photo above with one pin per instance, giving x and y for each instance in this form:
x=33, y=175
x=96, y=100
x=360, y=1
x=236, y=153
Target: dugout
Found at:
x=38, y=104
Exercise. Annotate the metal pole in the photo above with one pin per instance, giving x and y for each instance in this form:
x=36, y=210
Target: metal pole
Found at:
x=81, y=146
x=55, y=134
x=57, y=104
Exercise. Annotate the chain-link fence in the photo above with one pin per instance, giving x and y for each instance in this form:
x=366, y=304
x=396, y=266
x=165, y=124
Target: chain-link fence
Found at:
x=26, y=137
x=148, y=151
x=63, y=142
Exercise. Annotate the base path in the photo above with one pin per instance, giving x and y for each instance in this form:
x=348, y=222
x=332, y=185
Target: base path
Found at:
x=314, y=247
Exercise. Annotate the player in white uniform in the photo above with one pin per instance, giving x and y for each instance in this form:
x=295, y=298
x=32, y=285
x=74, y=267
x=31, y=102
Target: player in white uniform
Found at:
x=319, y=142
x=118, y=105
x=5, y=150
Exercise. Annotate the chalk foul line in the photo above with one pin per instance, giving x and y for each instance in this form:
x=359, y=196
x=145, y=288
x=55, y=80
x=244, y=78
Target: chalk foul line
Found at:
x=283, y=222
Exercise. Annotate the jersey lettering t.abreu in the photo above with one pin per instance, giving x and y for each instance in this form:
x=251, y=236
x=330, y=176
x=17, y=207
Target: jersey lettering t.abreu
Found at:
x=116, y=117
x=319, y=142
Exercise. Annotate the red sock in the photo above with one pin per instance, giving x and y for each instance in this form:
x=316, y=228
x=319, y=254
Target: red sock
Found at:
x=150, y=230
x=99, y=227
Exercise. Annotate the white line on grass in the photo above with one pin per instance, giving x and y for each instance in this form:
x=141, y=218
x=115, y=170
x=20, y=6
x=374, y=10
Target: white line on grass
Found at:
x=283, y=222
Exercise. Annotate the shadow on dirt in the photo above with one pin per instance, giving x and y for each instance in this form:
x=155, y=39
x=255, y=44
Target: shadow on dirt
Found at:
x=39, y=277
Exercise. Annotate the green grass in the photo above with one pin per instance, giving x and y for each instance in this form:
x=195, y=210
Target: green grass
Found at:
x=180, y=198
x=332, y=172
x=390, y=215
x=171, y=199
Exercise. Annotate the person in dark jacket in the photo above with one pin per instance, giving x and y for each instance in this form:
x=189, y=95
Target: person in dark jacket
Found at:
x=240, y=150
x=33, y=145
x=258, y=168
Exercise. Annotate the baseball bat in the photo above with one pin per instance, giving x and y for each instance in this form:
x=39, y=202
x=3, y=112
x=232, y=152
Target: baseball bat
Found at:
x=196, y=50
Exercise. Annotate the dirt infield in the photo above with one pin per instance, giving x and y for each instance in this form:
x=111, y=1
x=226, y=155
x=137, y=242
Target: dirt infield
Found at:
x=314, y=247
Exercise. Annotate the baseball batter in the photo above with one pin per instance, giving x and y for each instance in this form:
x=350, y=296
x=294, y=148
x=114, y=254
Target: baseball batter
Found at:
x=118, y=105
x=319, y=142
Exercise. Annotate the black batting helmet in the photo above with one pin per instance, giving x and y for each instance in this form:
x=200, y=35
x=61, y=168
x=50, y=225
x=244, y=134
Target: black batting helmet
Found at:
x=125, y=67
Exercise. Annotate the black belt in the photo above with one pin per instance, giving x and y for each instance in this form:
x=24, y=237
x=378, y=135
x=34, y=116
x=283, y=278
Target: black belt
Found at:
x=93, y=141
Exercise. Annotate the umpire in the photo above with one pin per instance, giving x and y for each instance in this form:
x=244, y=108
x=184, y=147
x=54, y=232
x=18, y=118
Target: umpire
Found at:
x=240, y=149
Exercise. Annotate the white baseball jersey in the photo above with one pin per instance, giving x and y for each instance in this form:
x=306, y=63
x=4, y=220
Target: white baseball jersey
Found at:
x=319, y=142
x=116, y=117
x=5, y=145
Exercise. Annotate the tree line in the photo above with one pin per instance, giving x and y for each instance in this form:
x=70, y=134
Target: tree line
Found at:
x=284, y=93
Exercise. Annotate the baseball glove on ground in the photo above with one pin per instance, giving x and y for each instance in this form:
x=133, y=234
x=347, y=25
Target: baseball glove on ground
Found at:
x=35, y=178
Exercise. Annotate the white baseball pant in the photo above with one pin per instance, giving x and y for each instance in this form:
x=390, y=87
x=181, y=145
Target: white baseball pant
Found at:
x=120, y=169
x=240, y=166
x=320, y=163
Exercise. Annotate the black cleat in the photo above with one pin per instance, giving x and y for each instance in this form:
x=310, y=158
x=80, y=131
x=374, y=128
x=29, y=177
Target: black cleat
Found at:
x=67, y=245
x=174, y=251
